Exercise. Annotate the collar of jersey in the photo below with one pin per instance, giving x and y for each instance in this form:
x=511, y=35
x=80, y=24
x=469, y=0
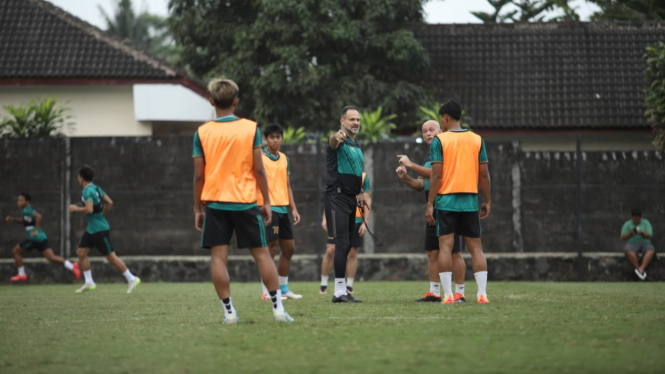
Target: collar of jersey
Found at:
x=270, y=155
x=460, y=130
x=229, y=118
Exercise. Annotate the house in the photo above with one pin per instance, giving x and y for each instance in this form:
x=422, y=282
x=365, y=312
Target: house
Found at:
x=545, y=83
x=110, y=87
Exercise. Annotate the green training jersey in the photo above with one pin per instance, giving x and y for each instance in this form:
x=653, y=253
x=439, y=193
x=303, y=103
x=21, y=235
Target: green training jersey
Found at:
x=645, y=226
x=344, y=167
x=96, y=220
x=427, y=162
x=29, y=222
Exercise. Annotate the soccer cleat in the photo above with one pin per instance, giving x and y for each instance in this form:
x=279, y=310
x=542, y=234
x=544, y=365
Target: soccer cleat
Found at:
x=429, y=298
x=349, y=289
x=482, y=299
x=459, y=298
x=87, y=287
x=345, y=299
x=132, y=285
x=282, y=316
x=323, y=290
x=19, y=278
x=448, y=300
x=641, y=274
x=76, y=270
x=231, y=319
x=291, y=295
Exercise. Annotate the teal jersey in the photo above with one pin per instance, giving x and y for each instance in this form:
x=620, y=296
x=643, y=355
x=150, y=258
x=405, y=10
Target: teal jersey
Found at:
x=344, y=167
x=456, y=202
x=427, y=162
x=645, y=226
x=29, y=222
x=96, y=220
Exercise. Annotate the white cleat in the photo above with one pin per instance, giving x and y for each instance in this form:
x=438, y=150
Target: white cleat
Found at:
x=231, y=319
x=291, y=295
x=87, y=287
x=640, y=274
x=282, y=316
x=132, y=285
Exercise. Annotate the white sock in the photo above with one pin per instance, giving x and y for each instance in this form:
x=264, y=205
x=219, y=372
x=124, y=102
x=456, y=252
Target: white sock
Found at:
x=129, y=276
x=69, y=265
x=446, y=280
x=324, y=280
x=459, y=288
x=277, y=301
x=265, y=289
x=340, y=287
x=88, y=277
x=228, y=308
x=349, y=282
x=283, y=280
x=481, y=279
x=21, y=270
x=435, y=288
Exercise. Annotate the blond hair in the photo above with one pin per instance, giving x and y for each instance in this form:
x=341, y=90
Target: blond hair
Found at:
x=223, y=92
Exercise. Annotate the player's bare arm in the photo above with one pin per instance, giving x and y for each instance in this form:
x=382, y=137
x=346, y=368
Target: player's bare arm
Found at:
x=87, y=208
x=262, y=180
x=337, y=138
x=324, y=224
x=14, y=219
x=38, y=224
x=486, y=186
x=434, y=182
x=199, y=179
x=108, y=204
x=292, y=203
x=416, y=184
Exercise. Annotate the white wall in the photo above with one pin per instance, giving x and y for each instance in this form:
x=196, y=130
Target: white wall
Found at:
x=95, y=110
x=170, y=102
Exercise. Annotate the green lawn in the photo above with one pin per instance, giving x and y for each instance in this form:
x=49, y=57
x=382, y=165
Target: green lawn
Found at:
x=176, y=328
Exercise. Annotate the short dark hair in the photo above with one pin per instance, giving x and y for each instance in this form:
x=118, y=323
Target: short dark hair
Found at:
x=26, y=196
x=342, y=112
x=451, y=108
x=273, y=128
x=636, y=212
x=87, y=173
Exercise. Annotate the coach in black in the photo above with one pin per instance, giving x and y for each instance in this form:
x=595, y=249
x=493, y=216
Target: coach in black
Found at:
x=344, y=170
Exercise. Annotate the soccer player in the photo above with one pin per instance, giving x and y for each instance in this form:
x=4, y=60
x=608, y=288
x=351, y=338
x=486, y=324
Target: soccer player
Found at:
x=32, y=221
x=431, y=129
x=459, y=163
x=344, y=168
x=356, y=242
x=97, y=204
x=278, y=171
x=228, y=165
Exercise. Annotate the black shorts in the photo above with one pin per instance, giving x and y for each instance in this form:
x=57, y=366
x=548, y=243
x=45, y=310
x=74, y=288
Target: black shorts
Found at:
x=356, y=239
x=466, y=224
x=28, y=245
x=280, y=227
x=432, y=241
x=99, y=240
x=219, y=226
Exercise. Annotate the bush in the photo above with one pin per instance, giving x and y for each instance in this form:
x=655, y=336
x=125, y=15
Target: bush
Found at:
x=655, y=101
x=36, y=119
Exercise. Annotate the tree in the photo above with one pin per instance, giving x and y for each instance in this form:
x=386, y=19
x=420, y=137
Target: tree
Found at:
x=629, y=10
x=299, y=61
x=376, y=126
x=36, y=119
x=146, y=31
x=655, y=100
x=528, y=11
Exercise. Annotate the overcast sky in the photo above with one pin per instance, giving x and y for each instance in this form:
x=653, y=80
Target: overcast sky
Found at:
x=438, y=11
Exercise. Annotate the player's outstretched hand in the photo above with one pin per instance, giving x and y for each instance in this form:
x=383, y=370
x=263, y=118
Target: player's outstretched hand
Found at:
x=404, y=160
x=323, y=223
x=73, y=208
x=340, y=136
x=401, y=172
x=296, y=217
x=9, y=219
x=484, y=210
x=429, y=215
x=198, y=220
x=362, y=230
x=266, y=213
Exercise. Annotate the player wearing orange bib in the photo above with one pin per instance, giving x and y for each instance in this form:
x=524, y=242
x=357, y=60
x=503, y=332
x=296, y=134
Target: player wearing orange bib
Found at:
x=278, y=170
x=228, y=166
x=459, y=163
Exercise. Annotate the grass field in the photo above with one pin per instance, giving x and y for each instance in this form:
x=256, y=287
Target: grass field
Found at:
x=175, y=328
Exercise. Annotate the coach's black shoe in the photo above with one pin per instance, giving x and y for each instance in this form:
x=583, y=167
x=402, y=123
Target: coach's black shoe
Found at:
x=429, y=298
x=345, y=299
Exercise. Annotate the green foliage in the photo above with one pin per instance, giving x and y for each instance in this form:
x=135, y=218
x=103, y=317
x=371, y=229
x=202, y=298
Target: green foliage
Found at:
x=300, y=61
x=655, y=101
x=37, y=119
x=431, y=112
x=528, y=11
x=293, y=135
x=375, y=126
x=146, y=31
x=629, y=10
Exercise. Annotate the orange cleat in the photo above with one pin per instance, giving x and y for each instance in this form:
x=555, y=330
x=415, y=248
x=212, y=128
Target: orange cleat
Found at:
x=76, y=270
x=459, y=298
x=19, y=278
x=448, y=300
x=263, y=297
x=483, y=299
